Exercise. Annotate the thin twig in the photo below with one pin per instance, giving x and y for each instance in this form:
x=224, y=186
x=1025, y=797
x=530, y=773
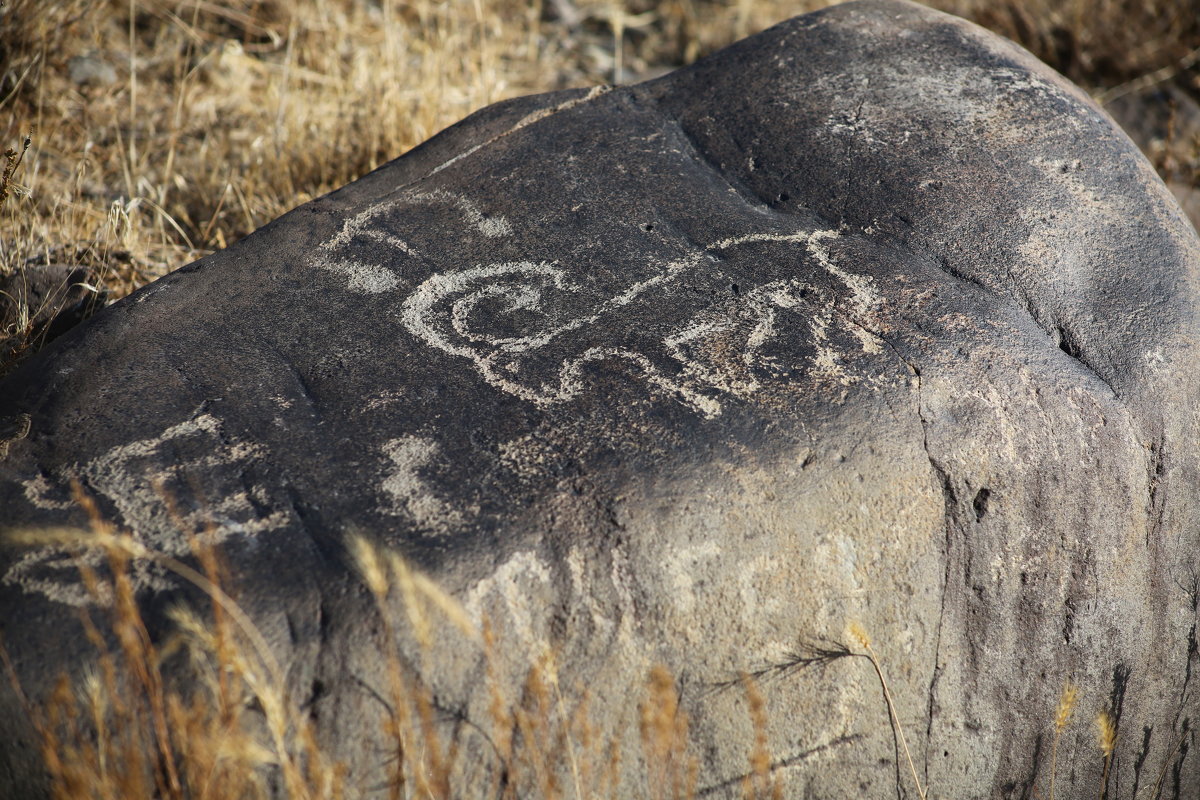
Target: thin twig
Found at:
x=1150, y=79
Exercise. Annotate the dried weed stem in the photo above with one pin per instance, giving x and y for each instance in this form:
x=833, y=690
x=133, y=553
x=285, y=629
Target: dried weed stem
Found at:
x=859, y=634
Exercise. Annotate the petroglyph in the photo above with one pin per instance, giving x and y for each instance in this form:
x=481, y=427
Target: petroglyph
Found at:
x=411, y=494
x=507, y=319
x=153, y=484
x=490, y=227
x=516, y=592
x=369, y=278
x=537, y=326
x=536, y=116
x=680, y=565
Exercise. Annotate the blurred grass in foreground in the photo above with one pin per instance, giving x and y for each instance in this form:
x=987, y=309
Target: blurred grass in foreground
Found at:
x=126, y=729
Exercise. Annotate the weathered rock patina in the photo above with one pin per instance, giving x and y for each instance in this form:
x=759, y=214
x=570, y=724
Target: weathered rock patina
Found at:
x=870, y=316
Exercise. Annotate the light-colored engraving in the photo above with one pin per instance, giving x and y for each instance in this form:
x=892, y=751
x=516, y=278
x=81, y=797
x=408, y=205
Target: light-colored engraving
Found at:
x=680, y=565
x=1020, y=80
x=606, y=599
x=189, y=481
x=518, y=592
x=364, y=278
x=496, y=358
x=376, y=278
x=523, y=456
x=411, y=495
x=850, y=124
x=47, y=496
x=524, y=122
x=535, y=328
x=360, y=224
x=827, y=362
x=490, y=226
x=458, y=313
x=698, y=345
x=385, y=398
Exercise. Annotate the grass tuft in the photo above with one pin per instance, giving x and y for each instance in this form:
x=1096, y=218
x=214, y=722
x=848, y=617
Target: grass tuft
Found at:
x=760, y=783
x=12, y=160
x=671, y=773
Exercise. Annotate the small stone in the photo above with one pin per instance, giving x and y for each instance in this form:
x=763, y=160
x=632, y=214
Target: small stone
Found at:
x=91, y=71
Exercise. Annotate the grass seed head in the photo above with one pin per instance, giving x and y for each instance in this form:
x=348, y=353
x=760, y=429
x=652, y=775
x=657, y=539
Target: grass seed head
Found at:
x=858, y=633
x=1066, y=704
x=369, y=566
x=1106, y=733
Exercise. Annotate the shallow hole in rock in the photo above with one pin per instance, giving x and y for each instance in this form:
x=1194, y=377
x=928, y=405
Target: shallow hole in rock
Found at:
x=1066, y=341
x=980, y=503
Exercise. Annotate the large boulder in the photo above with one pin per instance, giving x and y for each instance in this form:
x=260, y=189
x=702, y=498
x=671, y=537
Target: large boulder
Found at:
x=868, y=317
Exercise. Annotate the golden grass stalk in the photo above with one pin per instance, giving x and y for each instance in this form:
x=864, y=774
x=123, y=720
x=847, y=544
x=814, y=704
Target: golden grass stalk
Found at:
x=369, y=566
x=760, y=783
x=1062, y=715
x=1106, y=738
x=421, y=759
x=533, y=721
x=499, y=710
x=125, y=546
x=148, y=739
x=398, y=724
x=12, y=160
x=670, y=772
x=569, y=744
x=859, y=634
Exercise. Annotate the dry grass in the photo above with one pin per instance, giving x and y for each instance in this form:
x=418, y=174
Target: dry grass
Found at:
x=859, y=635
x=1106, y=738
x=1066, y=705
x=125, y=729
x=163, y=129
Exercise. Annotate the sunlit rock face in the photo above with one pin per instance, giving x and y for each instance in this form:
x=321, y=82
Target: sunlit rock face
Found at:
x=870, y=317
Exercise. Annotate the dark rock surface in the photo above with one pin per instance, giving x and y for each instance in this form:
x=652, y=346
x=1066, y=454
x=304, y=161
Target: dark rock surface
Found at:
x=870, y=316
